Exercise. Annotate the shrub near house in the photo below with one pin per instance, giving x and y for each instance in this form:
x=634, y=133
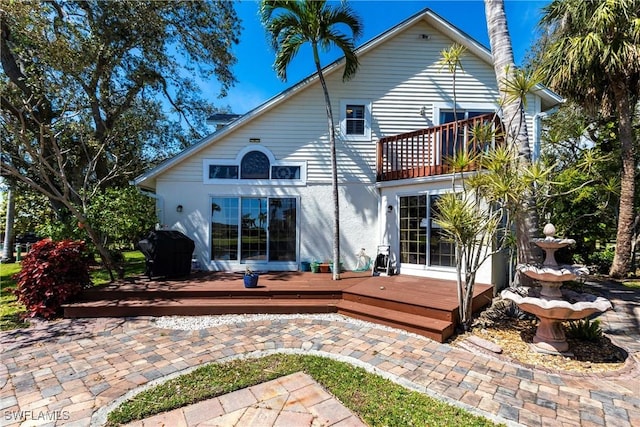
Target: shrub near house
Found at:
x=52, y=273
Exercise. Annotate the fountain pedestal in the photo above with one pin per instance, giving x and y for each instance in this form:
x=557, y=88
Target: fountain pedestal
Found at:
x=550, y=304
x=550, y=336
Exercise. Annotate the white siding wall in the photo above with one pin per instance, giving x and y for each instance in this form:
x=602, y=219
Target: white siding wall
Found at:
x=399, y=77
x=358, y=218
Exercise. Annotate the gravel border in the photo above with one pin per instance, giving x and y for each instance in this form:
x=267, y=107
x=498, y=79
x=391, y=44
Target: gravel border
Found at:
x=196, y=323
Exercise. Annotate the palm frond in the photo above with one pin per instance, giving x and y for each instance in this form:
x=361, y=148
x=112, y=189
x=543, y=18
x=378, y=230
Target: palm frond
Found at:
x=293, y=23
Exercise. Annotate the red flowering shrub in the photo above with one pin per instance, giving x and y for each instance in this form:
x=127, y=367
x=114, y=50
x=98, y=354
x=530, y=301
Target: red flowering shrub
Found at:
x=52, y=273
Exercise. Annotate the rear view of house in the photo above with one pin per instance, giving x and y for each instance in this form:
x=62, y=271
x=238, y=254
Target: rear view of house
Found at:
x=257, y=192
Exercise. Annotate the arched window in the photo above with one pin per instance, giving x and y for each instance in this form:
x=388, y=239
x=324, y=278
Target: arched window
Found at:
x=255, y=165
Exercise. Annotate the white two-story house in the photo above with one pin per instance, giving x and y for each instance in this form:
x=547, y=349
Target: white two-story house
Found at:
x=258, y=191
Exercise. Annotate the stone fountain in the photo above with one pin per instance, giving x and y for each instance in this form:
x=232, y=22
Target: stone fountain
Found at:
x=550, y=304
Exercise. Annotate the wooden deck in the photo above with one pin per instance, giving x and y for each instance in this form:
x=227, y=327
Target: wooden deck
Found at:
x=425, y=306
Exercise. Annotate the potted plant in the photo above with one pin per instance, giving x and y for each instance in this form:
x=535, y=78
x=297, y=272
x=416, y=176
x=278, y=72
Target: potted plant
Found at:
x=250, y=278
x=324, y=267
x=315, y=267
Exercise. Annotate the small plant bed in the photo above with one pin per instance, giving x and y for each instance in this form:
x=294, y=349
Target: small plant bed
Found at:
x=592, y=351
x=375, y=400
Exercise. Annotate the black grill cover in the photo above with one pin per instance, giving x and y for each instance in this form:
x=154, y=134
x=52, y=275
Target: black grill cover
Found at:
x=167, y=253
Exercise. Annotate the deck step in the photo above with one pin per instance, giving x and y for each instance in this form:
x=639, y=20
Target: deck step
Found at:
x=436, y=329
x=434, y=312
x=197, y=306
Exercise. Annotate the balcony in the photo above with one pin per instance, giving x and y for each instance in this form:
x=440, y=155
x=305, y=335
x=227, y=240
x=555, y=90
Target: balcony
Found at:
x=424, y=152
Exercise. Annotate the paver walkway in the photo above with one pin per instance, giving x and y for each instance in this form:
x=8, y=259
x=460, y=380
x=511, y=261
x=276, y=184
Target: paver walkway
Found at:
x=75, y=370
x=296, y=400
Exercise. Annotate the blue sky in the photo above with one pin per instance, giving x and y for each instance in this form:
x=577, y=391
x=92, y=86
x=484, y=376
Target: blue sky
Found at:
x=257, y=81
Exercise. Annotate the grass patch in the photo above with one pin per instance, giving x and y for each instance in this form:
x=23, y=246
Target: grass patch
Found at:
x=12, y=312
x=377, y=401
x=134, y=264
x=633, y=284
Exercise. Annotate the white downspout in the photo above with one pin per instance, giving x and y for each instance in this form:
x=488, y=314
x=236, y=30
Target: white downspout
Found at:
x=537, y=132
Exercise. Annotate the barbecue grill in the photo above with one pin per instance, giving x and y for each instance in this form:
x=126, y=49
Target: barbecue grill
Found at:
x=167, y=253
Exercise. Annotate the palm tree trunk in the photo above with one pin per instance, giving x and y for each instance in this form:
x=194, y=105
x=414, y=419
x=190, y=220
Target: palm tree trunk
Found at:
x=622, y=259
x=334, y=169
x=514, y=121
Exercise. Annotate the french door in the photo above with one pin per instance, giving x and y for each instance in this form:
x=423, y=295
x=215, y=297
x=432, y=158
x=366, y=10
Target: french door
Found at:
x=422, y=241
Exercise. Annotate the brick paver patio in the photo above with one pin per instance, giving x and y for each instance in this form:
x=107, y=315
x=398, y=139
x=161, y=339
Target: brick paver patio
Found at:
x=76, y=370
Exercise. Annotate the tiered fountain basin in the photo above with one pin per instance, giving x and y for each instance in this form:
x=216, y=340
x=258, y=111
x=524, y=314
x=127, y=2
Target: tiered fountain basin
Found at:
x=552, y=278
x=550, y=336
x=550, y=304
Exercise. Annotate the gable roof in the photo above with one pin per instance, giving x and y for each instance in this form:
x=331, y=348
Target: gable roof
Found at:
x=548, y=97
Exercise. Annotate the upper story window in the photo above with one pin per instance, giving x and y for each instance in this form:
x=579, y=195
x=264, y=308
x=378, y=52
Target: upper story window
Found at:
x=354, y=124
x=355, y=119
x=255, y=164
x=223, y=172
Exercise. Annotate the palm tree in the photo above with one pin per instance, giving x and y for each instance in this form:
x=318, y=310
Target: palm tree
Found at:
x=294, y=23
x=512, y=116
x=594, y=59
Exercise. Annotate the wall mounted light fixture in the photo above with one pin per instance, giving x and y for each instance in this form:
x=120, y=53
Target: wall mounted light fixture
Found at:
x=179, y=208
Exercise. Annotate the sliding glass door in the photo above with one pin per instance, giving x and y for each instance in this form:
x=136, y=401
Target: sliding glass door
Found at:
x=253, y=232
x=253, y=229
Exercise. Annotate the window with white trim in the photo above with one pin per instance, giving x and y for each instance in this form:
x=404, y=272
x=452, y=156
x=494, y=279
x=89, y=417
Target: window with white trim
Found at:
x=252, y=229
x=355, y=119
x=254, y=164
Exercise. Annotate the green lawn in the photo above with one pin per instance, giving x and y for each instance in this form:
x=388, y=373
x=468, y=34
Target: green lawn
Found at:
x=11, y=311
x=377, y=401
x=133, y=265
x=633, y=285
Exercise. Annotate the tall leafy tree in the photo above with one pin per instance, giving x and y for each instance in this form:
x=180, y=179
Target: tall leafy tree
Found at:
x=91, y=90
x=586, y=171
x=513, y=87
x=295, y=23
x=594, y=59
